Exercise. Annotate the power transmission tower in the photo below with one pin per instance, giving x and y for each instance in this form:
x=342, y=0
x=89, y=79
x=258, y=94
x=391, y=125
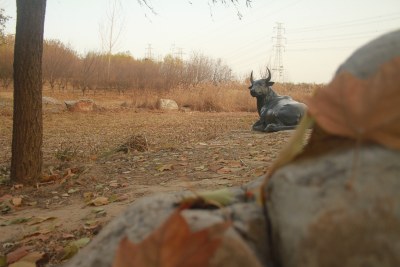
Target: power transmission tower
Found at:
x=148, y=54
x=278, y=48
x=179, y=54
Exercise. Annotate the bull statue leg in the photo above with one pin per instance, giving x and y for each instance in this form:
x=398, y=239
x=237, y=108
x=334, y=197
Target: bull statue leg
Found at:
x=286, y=118
x=258, y=126
x=275, y=128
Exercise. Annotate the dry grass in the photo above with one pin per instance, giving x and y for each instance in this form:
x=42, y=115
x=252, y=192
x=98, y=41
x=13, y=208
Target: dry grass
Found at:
x=228, y=98
x=232, y=97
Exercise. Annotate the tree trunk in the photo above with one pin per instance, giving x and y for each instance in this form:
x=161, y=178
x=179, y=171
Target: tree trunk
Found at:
x=27, y=157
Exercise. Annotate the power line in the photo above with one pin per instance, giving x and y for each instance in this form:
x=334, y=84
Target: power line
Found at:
x=350, y=23
x=336, y=37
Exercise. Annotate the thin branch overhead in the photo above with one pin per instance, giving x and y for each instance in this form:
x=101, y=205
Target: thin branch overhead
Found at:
x=235, y=4
x=147, y=4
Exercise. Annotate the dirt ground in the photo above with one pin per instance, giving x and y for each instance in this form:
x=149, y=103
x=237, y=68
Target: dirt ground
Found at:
x=97, y=163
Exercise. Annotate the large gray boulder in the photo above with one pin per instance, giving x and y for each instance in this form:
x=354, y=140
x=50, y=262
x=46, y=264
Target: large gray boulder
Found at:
x=342, y=209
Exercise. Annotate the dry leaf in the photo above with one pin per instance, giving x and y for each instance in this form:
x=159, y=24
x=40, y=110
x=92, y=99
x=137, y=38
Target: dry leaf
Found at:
x=29, y=260
x=235, y=164
x=208, y=199
x=16, y=201
x=200, y=168
x=166, y=167
x=37, y=232
x=36, y=220
x=73, y=247
x=48, y=178
x=6, y=197
x=224, y=170
x=99, y=201
x=172, y=245
x=362, y=109
x=15, y=221
x=293, y=148
x=17, y=254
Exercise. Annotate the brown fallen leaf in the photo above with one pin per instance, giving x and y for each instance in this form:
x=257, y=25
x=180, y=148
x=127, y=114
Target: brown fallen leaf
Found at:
x=87, y=196
x=36, y=220
x=364, y=110
x=99, y=201
x=29, y=260
x=224, y=170
x=166, y=167
x=37, y=232
x=67, y=236
x=17, y=254
x=48, y=178
x=172, y=245
x=5, y=197
x=16, y=201
x=235, y=164
x=208, y=199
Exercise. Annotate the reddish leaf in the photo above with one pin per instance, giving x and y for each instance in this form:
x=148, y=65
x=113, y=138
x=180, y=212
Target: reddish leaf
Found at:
x=362, y=109
x=17, y=254
x=224, y=170
x=29, y=260
x=172, y=245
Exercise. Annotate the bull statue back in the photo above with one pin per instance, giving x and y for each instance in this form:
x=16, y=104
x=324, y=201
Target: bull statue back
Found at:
x=277, y=112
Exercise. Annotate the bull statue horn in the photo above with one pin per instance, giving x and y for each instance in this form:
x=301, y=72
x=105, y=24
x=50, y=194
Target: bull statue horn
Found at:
x=269, y=75
x=251, y=77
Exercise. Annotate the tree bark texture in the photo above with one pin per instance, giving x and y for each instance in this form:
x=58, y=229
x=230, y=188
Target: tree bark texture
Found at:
x=27, y=156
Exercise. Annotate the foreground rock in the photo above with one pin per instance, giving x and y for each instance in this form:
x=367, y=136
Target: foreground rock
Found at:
x=82, y=105
x=243, y=244
x=338, y=211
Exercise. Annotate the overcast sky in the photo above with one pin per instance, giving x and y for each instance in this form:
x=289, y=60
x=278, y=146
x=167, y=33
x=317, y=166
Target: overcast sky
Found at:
x=316, y=35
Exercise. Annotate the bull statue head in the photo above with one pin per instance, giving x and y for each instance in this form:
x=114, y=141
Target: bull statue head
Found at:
x=260, y=87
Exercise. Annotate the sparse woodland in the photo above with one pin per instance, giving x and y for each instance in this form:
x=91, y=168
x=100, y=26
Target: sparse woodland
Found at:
x=200, y=82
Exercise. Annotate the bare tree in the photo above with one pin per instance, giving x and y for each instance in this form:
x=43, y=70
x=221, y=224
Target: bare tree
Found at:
x=27, y=157
x=6, y=63
x=86, y=72
x=58, y=60
x=110, y=32
x=3, y=20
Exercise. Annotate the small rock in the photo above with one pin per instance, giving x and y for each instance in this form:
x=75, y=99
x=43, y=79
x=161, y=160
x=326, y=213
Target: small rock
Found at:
x=82, y=105
x=167, y=104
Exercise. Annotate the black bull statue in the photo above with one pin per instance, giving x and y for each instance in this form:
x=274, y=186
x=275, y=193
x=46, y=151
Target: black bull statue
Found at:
x=277, y=112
